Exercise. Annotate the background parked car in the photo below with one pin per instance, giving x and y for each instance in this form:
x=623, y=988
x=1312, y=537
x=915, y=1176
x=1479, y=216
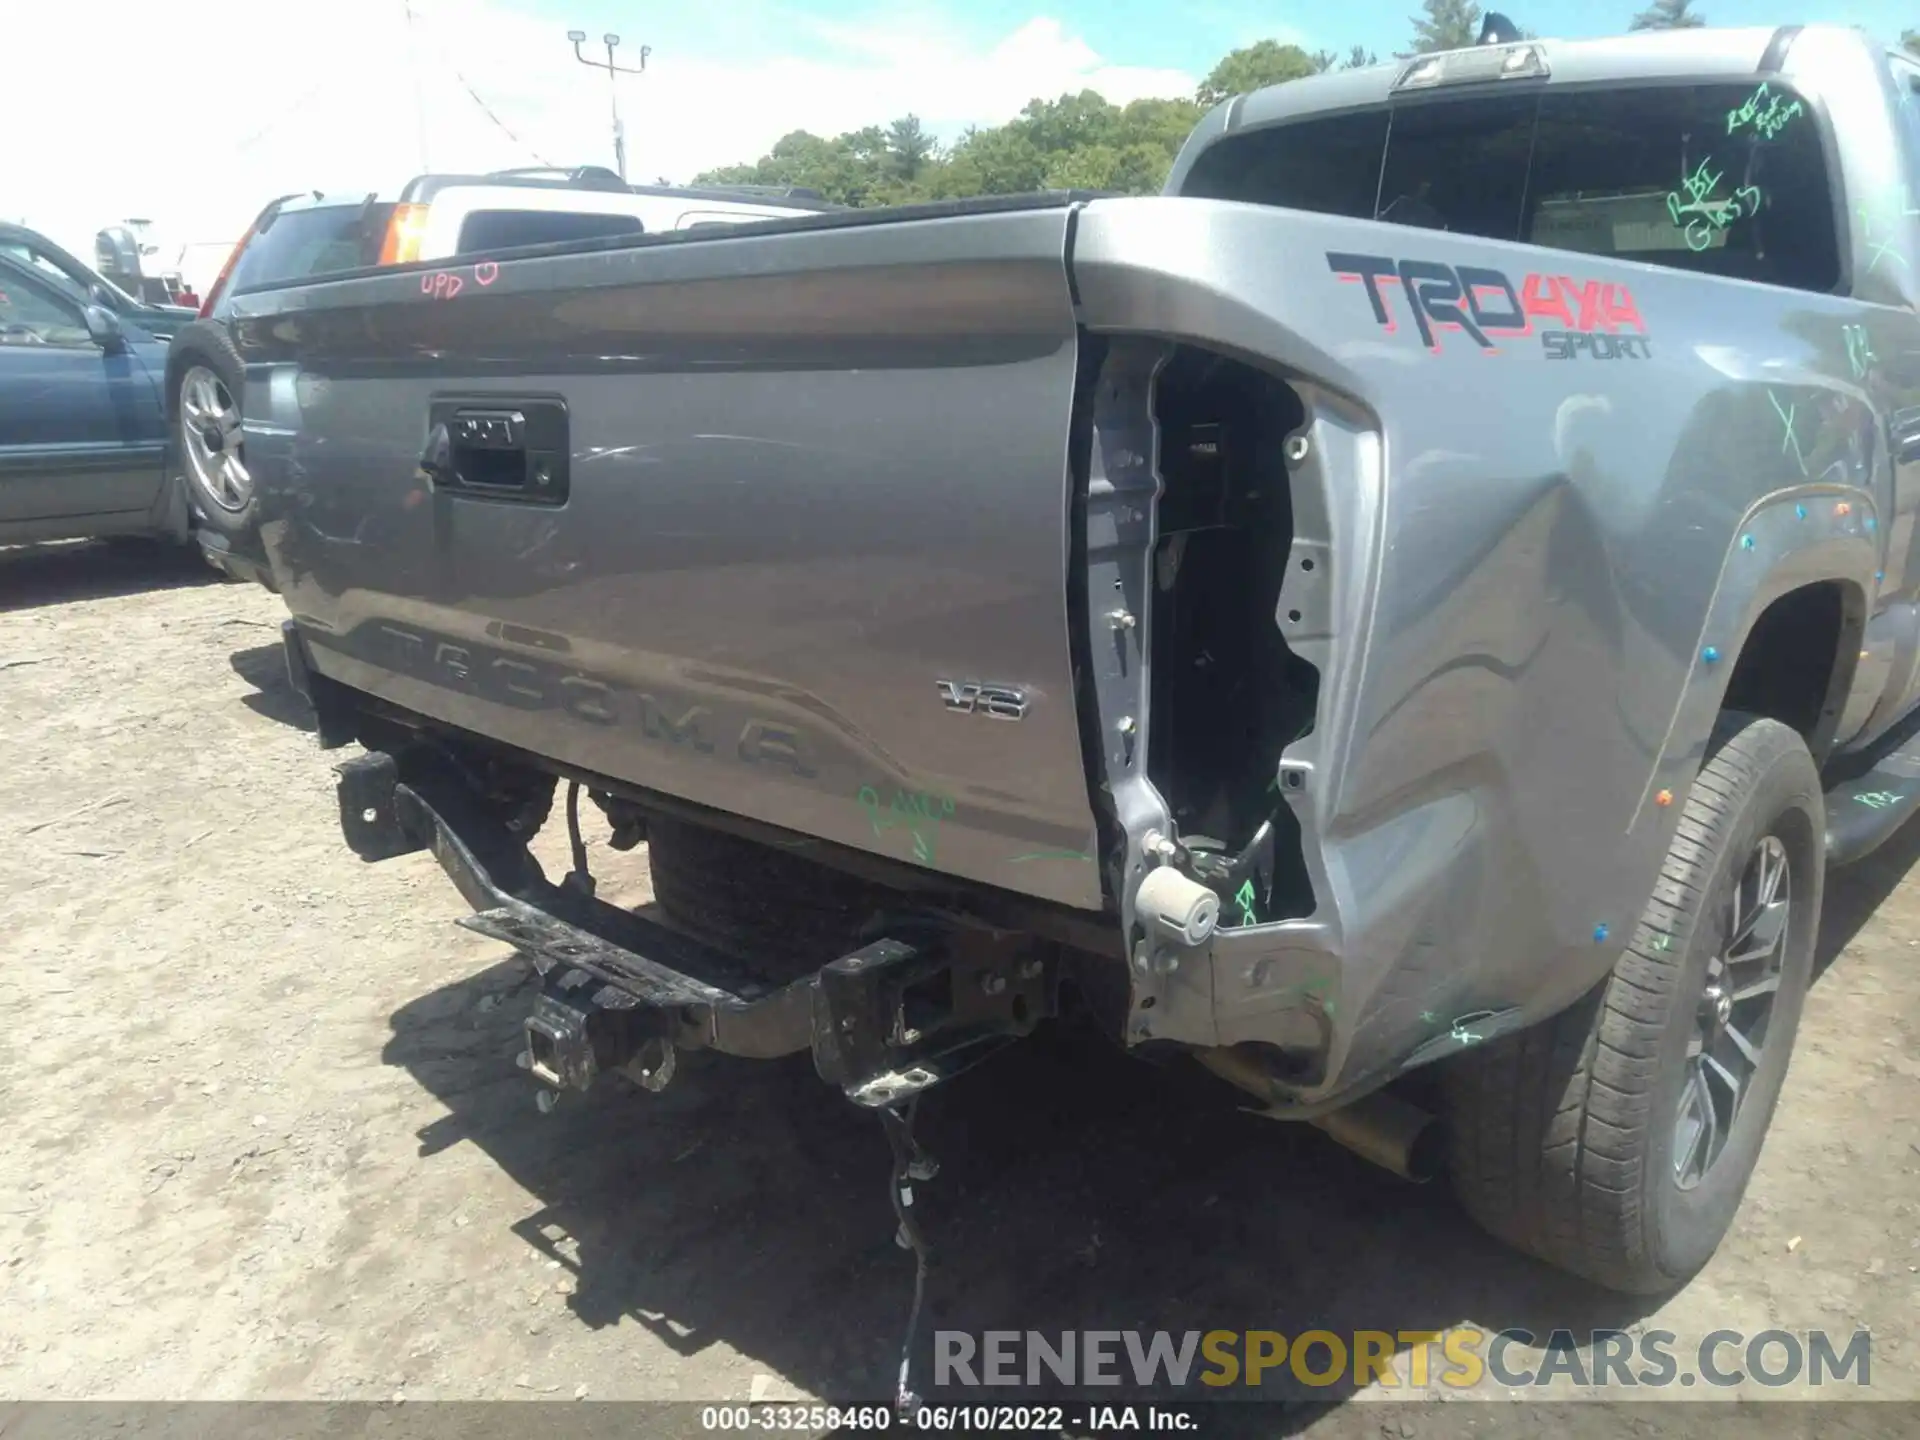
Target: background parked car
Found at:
x=83, y=436
x=87, y=285
x=434, y=217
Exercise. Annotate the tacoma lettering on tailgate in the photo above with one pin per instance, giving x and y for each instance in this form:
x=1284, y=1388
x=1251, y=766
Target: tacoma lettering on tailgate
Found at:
x=1586, y=317
x=531, y=683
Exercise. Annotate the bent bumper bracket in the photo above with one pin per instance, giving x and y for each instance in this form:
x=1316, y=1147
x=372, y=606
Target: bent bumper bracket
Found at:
x=883, y=1023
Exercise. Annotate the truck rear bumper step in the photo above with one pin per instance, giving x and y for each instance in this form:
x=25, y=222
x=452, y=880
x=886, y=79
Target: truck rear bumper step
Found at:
x=622, y=992
x=758, y=1027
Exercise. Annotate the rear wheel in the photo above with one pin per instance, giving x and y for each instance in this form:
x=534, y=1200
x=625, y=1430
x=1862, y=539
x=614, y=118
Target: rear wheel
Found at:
x=782, y=913
x=207, y=428
x=1616, y=1139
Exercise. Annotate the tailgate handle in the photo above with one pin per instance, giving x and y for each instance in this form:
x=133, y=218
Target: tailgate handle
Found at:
x=513, y=452
x=502, y=430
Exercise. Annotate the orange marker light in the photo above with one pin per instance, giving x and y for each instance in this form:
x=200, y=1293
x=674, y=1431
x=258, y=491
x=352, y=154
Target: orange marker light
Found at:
x=404, y=234
x=1843, y=508
x=1664, y=798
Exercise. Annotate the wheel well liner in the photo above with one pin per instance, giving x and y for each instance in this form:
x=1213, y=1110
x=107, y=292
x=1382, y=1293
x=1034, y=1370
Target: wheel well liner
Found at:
x=1795, y=664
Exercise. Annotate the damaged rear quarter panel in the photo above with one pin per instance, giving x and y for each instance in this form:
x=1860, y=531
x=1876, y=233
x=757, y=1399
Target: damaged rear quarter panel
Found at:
x=1534, y=540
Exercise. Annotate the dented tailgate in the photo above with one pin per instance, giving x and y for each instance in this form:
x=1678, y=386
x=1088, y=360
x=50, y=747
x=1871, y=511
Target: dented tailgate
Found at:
x=775, y=523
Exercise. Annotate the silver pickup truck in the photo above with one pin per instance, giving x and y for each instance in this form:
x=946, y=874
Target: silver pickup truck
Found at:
x=1434, y=588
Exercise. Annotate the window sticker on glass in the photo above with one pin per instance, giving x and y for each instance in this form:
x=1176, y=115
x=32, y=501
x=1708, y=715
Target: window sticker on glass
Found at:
x=1766, y=112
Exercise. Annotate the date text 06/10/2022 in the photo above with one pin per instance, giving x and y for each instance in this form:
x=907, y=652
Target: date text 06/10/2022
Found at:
x=1036, y=1419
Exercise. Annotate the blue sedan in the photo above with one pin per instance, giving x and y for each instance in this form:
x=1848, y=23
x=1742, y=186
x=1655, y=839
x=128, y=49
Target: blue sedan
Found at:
x=83, y=430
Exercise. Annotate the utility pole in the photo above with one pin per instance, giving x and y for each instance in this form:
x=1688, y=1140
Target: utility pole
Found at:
x=579, y=38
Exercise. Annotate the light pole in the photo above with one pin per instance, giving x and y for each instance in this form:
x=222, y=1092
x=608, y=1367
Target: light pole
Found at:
x=579, y=38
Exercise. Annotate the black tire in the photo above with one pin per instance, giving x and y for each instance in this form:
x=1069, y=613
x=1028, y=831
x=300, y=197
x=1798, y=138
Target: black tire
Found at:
x=783, y=914
x=205, y=345
x=1564, y=1135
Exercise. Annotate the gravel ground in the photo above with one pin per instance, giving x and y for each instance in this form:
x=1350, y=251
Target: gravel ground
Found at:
x=266, y=1138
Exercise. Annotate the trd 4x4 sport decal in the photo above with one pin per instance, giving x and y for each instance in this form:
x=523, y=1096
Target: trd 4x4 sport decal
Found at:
x=1588, y=315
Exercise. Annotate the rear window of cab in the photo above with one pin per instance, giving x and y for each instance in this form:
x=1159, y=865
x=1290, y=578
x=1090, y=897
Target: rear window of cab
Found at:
x=1717, y=179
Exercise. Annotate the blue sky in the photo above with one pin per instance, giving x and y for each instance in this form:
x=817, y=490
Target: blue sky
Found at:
x=1136, y=33
x=367, y=99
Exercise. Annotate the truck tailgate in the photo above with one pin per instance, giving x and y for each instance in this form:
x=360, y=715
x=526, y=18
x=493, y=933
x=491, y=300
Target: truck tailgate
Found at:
x=776, y=523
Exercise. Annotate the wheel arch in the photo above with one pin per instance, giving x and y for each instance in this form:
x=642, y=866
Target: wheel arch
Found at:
x=1798, y=657
x=1792, y=601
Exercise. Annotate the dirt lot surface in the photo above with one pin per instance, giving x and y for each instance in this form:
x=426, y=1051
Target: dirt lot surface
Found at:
x=265, y=1136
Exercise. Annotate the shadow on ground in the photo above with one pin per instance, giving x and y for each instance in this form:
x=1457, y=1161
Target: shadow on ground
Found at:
x=37, y=576
x=1079, y=1190
x=265, y=668
x=1854, y=893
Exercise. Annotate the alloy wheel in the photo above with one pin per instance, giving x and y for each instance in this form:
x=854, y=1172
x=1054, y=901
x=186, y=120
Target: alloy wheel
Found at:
x=1733, y=1013
x=210, y=435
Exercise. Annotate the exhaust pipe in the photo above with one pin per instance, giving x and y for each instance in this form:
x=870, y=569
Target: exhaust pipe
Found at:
x=1389, y=1132
x=1392, y=1133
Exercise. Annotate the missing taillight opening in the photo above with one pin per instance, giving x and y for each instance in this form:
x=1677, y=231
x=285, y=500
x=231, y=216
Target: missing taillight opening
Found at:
x=1228, y=693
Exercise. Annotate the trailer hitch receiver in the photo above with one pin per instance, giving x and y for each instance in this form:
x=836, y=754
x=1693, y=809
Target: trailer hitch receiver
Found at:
x=579, y=1030
x=893, y=1019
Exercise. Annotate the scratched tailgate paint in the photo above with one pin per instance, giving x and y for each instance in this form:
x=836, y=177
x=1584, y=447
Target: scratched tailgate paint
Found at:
x=813, y=476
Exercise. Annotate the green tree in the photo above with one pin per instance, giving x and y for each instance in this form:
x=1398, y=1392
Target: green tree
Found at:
x=1079, y=141
x=1266, y=62
x=850, y=169
x=1069, y=123
x=1668, y=15
x=999, y=161
x=1165, y=123
x=1141, y=169
x=1446, y=25
x=1095, y=168
x=1358, y=58
x=910, y=146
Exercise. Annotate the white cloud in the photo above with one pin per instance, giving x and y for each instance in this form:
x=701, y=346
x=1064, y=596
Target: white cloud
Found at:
x=197, y=112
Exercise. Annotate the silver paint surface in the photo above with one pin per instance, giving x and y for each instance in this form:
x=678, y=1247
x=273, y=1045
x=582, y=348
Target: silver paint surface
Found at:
x=813, y=472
